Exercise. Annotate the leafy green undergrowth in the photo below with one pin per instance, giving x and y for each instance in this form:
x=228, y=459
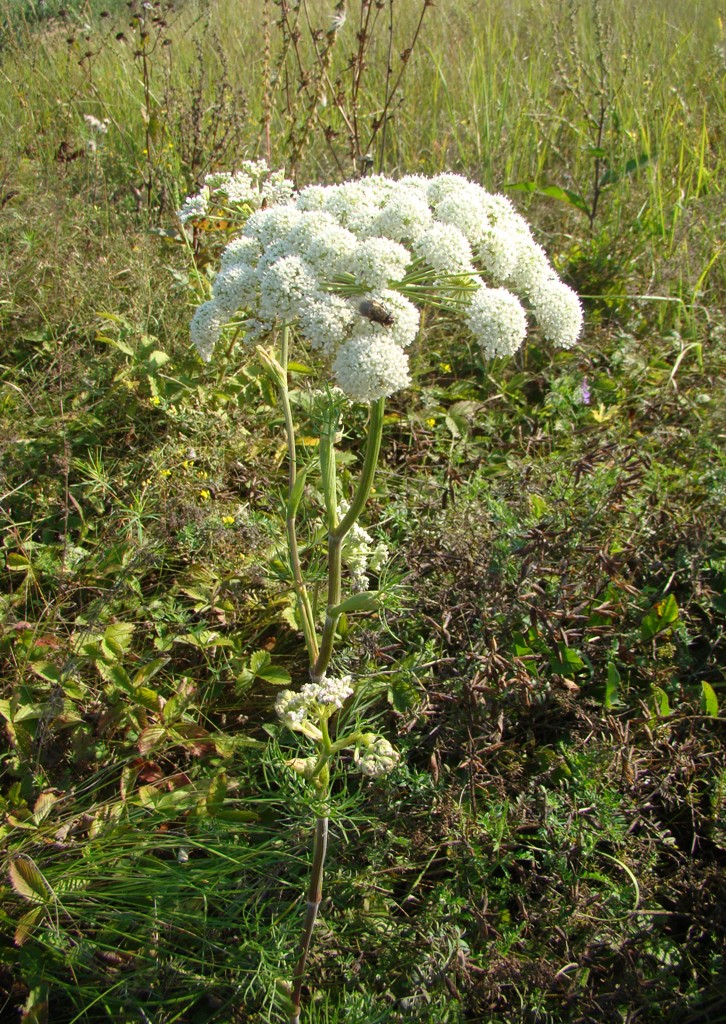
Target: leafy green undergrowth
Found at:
x=550, y=656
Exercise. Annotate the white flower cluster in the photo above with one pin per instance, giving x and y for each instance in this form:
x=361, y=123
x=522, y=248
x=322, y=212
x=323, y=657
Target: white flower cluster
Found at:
x=377, y=756
x=313, y=701
x=96, y=126
x=359, y=552
x=253, y=186
x=338, y=262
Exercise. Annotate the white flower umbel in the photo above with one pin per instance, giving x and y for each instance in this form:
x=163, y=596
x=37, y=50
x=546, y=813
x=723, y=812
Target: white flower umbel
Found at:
x=324, y=320
x=250, y=188
x=531, y=269
x=404, y=218
x=445, y=248
x=195, y=206
x=558, y=311
x=270, y=226
x=497, y=320
x=235, y=286
x=346, y=264
x=406, y=318
x=325, y=245
x=314, y=701
x=370, y=367
x=285, y=288
x=357, y=551
x=377, y=262
x=206, y=327
x=244, y=249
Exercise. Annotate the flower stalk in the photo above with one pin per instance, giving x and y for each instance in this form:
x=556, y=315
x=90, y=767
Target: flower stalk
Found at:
x=320, y=651
x=314, y=896
x=337, y=536
x=295, y=487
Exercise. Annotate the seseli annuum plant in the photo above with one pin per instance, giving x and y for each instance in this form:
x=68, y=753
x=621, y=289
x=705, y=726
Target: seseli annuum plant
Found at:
x=344, y=271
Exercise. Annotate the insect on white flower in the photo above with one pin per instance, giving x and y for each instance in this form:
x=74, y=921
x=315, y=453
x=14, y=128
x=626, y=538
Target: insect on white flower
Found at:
x=377, y=312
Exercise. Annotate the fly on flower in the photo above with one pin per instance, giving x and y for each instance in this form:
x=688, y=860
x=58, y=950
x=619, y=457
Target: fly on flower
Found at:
x=376, y=312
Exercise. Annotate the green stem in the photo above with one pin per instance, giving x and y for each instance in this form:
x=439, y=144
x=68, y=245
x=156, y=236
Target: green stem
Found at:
x=365, y=484
x=315, y=894
x=337, y=535
x=303, y=600
x=327, y=469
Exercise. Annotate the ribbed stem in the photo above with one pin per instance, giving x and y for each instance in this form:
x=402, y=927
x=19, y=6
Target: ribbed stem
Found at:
x=337, y=536
x=303, y=600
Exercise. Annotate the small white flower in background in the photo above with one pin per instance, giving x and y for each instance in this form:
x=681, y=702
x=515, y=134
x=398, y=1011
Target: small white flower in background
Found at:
x=96, y=126
x=338, y=19
x=375, y=756
x=318, y=258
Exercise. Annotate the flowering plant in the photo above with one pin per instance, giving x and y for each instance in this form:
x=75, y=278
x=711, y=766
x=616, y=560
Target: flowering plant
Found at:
x=345, y=270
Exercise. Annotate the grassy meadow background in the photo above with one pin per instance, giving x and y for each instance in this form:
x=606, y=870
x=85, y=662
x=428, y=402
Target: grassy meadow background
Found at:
x=550, y=656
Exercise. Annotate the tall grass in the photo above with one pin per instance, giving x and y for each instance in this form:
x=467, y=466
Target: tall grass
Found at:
x=519, y=104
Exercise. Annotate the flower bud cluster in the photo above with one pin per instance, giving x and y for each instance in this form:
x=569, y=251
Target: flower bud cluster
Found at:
x=360, y=553
x=339, y=262
x=375, y=756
